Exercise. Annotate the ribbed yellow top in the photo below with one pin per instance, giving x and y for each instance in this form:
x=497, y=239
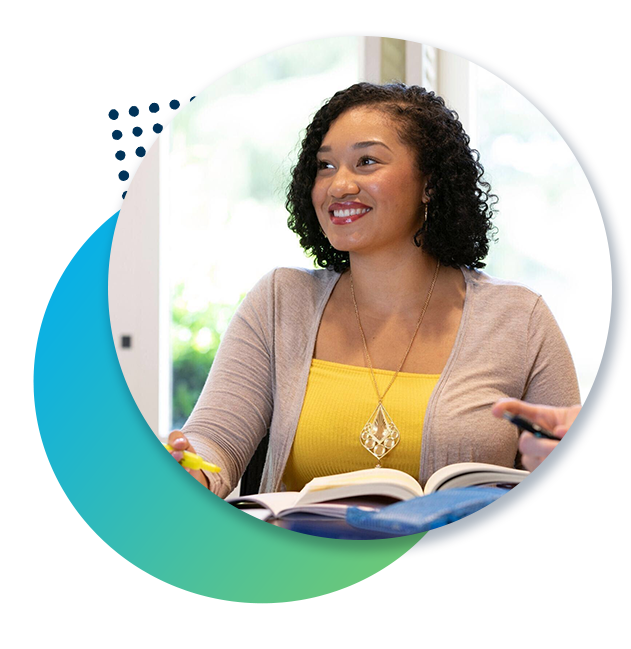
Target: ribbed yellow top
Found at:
x=338, y=402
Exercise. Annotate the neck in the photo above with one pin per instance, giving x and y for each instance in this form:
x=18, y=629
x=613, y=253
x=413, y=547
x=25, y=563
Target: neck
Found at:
x=388, y=285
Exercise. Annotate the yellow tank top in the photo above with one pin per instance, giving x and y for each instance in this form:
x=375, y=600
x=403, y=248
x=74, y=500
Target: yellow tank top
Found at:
x=338, y=402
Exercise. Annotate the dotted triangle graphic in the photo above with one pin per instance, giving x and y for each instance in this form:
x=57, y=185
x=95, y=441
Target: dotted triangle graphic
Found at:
x=104, y=557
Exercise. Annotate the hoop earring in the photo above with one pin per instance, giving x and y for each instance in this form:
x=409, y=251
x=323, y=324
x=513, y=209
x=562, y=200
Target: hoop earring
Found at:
x=418, y=241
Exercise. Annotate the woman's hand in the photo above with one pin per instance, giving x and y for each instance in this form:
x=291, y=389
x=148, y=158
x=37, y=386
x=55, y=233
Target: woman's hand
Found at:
x=179, y=443
x=535, y=450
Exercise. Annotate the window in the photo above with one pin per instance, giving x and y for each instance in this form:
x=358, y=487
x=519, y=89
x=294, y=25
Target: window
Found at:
x=551, y=235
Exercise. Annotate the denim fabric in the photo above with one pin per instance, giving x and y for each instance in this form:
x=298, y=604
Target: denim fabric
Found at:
x=426, y=512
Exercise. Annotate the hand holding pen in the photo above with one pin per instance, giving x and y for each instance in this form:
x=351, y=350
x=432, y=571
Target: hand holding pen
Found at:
x=536, y=446
x=184, y=453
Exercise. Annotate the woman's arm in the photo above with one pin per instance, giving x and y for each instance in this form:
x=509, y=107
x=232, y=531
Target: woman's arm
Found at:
x=234, y=410
x=552, y=377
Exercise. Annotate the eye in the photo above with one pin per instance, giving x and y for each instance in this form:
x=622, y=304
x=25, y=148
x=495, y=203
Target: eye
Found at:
x=366, y=161
x=323, y=164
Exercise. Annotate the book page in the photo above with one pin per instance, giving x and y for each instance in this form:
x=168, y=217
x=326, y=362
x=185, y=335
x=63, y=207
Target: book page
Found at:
x=365, y=476
x=477, y=473
x=338, y=508
x=274, y=502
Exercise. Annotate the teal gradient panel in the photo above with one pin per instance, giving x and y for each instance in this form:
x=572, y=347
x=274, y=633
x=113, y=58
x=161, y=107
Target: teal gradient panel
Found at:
x=129, y=489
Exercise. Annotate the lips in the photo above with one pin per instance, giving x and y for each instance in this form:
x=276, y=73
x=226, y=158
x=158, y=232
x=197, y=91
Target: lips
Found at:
x=348, y=212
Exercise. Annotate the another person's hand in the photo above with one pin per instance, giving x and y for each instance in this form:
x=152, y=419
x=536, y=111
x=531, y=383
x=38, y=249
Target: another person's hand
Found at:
x=179, y=443
x=535, y=450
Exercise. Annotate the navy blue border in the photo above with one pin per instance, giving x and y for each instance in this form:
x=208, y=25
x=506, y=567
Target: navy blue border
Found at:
x=444, y=547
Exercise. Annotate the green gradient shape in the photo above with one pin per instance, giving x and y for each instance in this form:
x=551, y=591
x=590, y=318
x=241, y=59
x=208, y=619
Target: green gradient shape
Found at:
x=130, y=491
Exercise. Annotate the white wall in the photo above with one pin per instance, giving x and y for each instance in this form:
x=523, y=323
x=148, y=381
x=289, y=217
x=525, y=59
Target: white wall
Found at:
x=456, y=85
x=134, y=291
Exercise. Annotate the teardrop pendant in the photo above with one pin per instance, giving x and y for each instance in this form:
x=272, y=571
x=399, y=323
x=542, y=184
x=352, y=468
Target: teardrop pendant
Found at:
x=379, y=435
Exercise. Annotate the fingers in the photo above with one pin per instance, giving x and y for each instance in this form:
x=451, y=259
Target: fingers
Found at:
x=535, y=448
x=178, y=440
x=179, y=443
x=531, y=445
x=546, y=416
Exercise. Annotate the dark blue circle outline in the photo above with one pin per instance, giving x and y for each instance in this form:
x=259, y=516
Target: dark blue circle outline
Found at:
x=542, y=479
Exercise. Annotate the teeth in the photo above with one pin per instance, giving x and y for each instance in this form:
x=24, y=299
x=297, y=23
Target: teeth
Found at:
x=353, y=212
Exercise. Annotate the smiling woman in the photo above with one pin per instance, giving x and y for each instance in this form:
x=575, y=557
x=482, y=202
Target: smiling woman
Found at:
x=428, y=140
x=381, y=169
x=398, y=331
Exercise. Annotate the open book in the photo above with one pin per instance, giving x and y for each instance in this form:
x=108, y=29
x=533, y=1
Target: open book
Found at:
x=371, y=489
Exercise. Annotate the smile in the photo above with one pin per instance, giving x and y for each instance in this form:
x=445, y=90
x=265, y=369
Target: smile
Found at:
x=343, y=216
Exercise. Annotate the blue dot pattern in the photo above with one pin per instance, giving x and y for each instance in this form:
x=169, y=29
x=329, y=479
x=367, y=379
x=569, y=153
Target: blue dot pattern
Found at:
x=134, y=111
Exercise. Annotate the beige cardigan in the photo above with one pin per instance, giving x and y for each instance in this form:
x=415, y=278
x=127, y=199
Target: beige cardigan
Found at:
x=508, y=345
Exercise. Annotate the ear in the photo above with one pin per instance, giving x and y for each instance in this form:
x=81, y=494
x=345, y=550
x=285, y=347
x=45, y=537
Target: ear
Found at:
x=427, y=194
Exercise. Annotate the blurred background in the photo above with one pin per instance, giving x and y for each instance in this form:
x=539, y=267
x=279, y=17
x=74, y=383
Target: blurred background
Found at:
x=205, y=215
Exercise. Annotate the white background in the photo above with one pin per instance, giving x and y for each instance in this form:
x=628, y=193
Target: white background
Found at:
x=47, y=73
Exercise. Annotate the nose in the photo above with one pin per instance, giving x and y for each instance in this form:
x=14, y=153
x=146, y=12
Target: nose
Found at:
x=343, y=183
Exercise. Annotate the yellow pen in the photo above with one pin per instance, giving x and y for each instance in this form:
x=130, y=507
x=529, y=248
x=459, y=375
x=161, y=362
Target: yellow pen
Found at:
x=193, y=461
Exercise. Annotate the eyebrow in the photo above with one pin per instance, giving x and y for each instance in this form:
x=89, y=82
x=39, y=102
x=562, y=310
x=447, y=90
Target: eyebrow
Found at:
x=357, y=145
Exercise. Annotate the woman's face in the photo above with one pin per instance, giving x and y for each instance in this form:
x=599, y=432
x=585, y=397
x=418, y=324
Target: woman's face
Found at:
x=368, y=193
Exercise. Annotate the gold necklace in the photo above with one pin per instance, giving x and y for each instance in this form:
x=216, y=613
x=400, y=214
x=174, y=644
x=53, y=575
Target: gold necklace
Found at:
x=379, y=435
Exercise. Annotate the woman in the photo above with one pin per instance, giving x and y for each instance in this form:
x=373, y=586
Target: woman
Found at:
x=393, y=351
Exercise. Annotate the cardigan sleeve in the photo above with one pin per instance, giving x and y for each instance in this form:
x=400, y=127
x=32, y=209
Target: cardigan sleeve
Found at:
x=234, y=410
x=552, y=377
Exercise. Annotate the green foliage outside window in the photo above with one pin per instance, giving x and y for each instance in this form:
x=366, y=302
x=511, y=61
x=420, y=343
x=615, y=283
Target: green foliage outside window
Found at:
x=195, y=337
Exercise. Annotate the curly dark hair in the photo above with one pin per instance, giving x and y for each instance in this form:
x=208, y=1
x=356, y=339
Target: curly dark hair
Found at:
x=459, y=225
